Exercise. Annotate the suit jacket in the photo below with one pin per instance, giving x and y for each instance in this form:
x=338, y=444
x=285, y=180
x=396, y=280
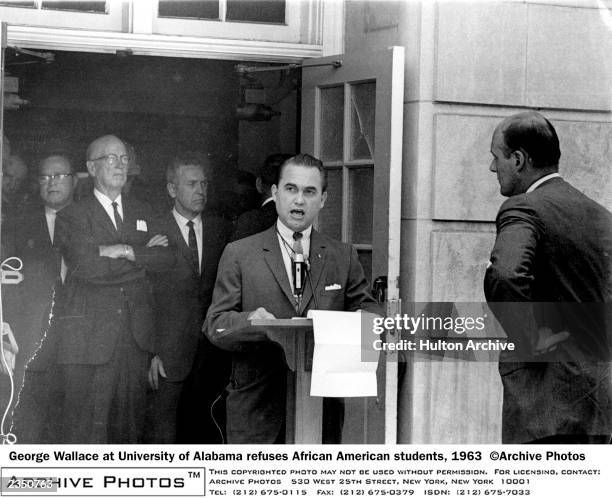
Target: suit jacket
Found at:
x=98, y=290
x=255, y=221
x=183, y=295
x=551, y=265
x=252, y=274
x=30, y=301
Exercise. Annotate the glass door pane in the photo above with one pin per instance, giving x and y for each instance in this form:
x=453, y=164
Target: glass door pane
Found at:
x=361, y=198
x=330, y=217
x=363, y=116
x=331, y=109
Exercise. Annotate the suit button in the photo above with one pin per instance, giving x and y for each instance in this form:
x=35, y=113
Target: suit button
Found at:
x=121, y=289
x=119, y=311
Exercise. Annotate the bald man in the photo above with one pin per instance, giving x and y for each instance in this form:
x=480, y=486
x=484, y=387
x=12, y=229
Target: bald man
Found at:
x=549, y=284
x=103, y=327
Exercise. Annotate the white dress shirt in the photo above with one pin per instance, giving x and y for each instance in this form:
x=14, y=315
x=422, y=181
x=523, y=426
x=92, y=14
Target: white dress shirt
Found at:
x=285, y=240
x=197, y=227
x=539, y=182
x=107, y=204
x=51, y=214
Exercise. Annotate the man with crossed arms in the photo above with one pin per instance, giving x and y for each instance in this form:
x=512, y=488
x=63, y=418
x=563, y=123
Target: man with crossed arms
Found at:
x=103, y=327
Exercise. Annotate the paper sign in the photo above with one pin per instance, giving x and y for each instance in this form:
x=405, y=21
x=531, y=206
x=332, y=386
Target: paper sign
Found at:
x=337, y=366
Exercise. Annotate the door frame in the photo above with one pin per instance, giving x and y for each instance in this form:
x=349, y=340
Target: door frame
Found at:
x=387, y=68
x=330, y=16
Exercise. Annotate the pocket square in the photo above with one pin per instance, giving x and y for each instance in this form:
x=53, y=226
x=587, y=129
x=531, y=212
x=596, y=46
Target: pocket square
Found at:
x=333, y=287
x=141, y=226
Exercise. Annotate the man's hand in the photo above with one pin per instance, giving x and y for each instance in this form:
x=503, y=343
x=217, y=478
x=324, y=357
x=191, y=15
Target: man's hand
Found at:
x=117, y=251
x=548, y=342
x=158, y=240
x=261, y=314
x=155, y=370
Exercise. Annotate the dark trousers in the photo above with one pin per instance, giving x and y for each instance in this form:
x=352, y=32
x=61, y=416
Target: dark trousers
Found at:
x=162, y=409
x=106, y=403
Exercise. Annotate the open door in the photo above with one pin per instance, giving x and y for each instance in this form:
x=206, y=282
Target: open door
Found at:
x=352, y=117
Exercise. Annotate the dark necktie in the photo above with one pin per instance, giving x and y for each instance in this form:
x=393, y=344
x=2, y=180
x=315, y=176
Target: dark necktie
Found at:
x=193, y=245
x=118, y=220
x=297, y=244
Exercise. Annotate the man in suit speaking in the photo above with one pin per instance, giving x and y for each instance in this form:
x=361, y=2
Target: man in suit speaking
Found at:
x=255, y=281
x=549, y=285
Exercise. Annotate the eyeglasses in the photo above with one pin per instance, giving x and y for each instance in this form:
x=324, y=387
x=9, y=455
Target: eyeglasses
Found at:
x=48, y=178
x=113, y=159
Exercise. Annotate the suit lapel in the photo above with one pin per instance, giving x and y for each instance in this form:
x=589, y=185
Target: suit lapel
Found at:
x=101, y=216
x=43, y=228
x=274, y=260
x=317, y=257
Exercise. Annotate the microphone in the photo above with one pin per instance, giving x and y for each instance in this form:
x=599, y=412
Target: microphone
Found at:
x=298, y=272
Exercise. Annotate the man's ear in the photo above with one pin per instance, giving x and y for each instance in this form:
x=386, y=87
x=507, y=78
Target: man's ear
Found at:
x=90, y=168
x=259, y=185
x=171, y=189
x=274, y=190
x=323, y=198
x=520, y=159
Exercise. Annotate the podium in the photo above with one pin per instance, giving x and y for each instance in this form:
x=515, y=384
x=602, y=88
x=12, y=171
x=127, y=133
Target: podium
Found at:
x=304, y=414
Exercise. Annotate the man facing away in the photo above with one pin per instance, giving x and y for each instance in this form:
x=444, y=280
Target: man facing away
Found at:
x=549, y=285
x=102, y=329
x=255, y=281
x=187, y=371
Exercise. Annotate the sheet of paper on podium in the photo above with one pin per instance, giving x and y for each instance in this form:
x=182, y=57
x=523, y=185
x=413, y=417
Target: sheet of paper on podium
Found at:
x=337, y=367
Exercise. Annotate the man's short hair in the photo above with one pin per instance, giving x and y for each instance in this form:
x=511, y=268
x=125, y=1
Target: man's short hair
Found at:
x=270, y=169
x=534, y=134
x=198, y=159
x=308, y=161
x=59, y=154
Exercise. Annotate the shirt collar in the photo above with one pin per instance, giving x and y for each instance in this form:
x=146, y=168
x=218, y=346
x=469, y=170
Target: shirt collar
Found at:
x=182, y=221
x=540, y=181
x=106, y=201
x=287, y=233
x=50, y=211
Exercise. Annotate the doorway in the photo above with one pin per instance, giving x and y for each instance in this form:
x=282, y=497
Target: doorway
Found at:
x=160, y=105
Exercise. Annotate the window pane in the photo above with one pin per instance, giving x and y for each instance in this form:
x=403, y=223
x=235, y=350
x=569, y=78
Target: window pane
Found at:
x=17, y=3
x=99, y=7
x=331, y=129
x=189, y=9
x=361, y=187
x=330, y=217
x=363, y=114
x=271, y=11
